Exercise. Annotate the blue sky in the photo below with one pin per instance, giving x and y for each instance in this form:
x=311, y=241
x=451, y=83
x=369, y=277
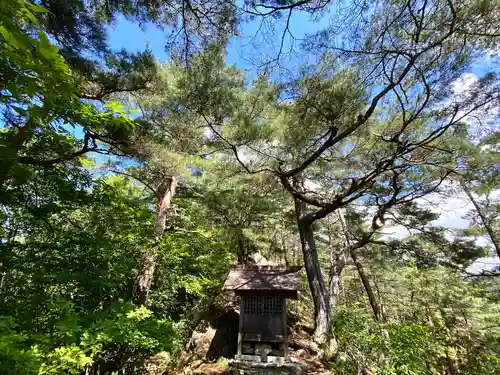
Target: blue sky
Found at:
x=128, y=35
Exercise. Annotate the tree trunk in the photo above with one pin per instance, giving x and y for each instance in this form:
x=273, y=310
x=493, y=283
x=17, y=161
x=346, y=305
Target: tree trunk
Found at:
x=494, y=237
x=322, y=308
x=144, y=279
x=367, y=286
x=323, y=333
x=337, y=264
x=377, y=312
x=164, y=194
x=241, y=253
x=284, y=250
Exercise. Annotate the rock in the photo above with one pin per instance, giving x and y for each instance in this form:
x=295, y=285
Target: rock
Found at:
x=195, y=364
x=263, y=350
x=302, y=353
x=247, y=348
x=157, y=364
x=202, y=341
x=300, y=339
x=213, y=338
x=251, y=368
x=211, y=369
x=258, y=259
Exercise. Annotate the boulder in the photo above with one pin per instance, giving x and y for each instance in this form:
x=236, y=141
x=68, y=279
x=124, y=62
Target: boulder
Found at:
x=214, y=337
x=263, y=350
x=211, y=369
x=302, y=353
x=157, y=364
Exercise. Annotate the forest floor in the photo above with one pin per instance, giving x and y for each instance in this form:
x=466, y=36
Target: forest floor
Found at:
x=302, y=361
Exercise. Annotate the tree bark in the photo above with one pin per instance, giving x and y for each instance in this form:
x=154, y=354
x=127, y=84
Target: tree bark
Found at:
x=284, y=249
x=494, y=237
x=323, y=333
x=337, y=264
x=377, y=313
x=241, y=253
x=164, y=194
x=144, y=279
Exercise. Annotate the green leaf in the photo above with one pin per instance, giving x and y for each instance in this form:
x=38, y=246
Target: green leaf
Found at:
x=36, y=8
x=114, y=107
x=10, y=38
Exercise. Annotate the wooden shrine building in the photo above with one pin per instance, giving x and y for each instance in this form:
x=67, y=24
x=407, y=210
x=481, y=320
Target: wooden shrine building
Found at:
x=263, y=290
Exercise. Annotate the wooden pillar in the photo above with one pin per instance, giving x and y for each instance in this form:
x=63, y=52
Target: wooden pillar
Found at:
x=285, y=331
x=240, y=325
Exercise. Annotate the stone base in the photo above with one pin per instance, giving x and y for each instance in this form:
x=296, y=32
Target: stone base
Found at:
x=256, y=359
x=274, y=366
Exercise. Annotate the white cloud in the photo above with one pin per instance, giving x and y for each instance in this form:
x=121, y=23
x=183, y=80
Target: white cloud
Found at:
x=452, y=207
x=483, y=120
x=395, y=231
x=452, y=211
x=488, y=264
x=463, y=84
x=208, y=133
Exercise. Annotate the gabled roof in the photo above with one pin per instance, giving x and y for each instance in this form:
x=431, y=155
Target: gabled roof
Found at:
x=247, y=278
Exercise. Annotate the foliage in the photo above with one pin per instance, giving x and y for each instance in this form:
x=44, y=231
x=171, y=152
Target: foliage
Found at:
x=73, y=294
x=79, y=347
x=90, y=139
x=435, y=321
x=40, y=103
x=71, y=237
